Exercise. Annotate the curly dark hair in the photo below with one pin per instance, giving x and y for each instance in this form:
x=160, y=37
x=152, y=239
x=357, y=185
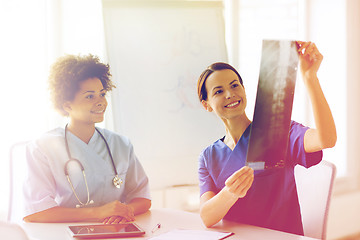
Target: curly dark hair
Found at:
x=69, y=71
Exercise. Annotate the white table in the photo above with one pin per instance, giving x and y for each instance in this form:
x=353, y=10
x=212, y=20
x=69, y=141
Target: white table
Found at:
x=169, y=219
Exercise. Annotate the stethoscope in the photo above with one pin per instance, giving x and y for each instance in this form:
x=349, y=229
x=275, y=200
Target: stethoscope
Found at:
x=116, y=180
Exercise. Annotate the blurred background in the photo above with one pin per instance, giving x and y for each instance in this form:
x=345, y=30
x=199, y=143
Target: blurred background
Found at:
x=156, y=50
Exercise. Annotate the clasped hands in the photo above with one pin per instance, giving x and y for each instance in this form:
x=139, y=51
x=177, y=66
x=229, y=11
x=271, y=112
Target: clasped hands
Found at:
x=115, y=212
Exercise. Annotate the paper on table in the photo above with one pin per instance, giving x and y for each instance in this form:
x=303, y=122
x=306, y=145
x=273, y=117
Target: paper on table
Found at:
x=181, y=234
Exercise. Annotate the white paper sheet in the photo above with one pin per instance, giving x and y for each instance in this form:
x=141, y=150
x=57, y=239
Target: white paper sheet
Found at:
x=181, y=234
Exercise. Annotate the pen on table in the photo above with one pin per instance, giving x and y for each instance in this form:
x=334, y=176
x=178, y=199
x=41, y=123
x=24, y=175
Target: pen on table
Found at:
x=156, y=227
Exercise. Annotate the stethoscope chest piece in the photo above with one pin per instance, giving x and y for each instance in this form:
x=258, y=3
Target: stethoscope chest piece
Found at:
x=117, y=181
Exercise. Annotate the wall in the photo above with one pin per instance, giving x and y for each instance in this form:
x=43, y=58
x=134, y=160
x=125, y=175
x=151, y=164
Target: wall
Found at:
x=344, y=218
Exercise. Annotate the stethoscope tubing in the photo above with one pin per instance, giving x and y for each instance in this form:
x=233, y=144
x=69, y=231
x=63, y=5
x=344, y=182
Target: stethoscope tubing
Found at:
x=108, y=149
x=81, y=166
x=117, y=181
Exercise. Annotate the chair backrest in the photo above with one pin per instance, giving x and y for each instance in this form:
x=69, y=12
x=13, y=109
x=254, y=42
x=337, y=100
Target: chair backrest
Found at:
x=17, y=175
x=314, y=187
x=12, y=231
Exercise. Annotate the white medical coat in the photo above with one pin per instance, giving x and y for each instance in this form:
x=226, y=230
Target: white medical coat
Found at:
x=47, y=185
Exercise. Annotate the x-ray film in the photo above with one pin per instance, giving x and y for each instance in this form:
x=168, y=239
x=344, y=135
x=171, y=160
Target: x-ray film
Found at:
x=274, y=99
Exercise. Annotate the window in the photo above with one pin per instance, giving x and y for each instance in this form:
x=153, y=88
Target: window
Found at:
x=35, y=33
x=250, y=21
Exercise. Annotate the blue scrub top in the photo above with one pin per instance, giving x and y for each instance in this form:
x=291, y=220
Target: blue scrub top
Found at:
x=272, y=200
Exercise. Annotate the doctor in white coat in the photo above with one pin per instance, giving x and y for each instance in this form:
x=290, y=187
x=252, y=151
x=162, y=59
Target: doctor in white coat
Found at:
x=81, y=172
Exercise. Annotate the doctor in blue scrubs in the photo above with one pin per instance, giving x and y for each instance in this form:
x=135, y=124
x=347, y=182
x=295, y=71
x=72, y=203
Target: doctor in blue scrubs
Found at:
x=81, y=172
x=231, y=190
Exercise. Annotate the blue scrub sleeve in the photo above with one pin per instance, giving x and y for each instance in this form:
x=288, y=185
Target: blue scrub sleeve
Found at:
x=296, y=148
x=206, y=183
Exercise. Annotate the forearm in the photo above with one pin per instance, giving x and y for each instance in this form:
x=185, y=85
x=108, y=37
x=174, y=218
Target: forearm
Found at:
x=325, y=125
x=215, y=209
x=140, y=205
x=61, y=214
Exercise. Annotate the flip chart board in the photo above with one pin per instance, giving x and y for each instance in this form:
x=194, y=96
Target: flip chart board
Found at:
x=156, y=51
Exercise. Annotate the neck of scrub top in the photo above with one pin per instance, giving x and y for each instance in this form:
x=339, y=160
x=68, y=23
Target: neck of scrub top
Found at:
x=235, y=128
x=82, y=131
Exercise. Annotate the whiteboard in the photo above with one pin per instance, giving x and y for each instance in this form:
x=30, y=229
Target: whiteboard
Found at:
x=156, y=51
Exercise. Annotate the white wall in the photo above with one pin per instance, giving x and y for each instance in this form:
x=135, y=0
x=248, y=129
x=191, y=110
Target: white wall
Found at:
x=344, y=216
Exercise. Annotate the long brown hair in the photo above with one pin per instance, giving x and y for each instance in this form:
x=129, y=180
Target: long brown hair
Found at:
x=202, y=93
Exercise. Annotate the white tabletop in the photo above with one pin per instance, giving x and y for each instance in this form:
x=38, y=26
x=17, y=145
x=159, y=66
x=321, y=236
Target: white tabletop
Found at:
x=169, y=219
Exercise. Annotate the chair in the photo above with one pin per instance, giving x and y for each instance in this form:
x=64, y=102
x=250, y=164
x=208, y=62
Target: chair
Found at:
x=12, y=231
x=314, y=186
x=17, y=175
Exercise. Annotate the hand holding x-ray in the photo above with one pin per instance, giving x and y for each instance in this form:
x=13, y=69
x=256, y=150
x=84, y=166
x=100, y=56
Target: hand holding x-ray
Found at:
x=310, y=59
x=240, y=182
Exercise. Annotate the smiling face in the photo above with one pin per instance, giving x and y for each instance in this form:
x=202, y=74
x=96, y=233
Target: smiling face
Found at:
x=89, y=104
x=225, y=94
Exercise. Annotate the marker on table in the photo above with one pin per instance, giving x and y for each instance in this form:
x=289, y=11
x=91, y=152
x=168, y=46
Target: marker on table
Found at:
x=156, y=227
